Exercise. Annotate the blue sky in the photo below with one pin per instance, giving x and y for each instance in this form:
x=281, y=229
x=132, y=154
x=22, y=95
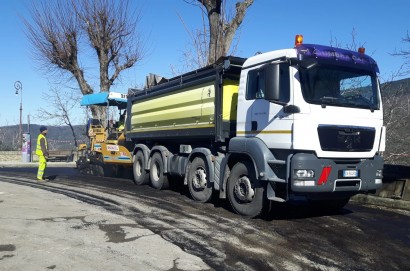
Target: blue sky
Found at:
x=268, y=25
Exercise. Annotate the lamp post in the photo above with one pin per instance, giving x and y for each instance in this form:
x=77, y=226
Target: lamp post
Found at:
x=19, y=87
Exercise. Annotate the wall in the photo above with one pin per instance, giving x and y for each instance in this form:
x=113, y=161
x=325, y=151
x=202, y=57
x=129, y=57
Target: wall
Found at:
x=10, y=156
x=16, y=156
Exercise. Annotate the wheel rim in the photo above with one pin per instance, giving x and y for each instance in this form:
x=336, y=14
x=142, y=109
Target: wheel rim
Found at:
x=243, y=190
x=155, y=172
x=199, y=179
x=138, y=168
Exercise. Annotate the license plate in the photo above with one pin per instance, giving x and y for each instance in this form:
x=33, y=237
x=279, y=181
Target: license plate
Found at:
x=350, y=173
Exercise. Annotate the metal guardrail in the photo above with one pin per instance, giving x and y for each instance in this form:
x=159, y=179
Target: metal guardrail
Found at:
x=396, y=182
x=396, y=172
x=61, y=156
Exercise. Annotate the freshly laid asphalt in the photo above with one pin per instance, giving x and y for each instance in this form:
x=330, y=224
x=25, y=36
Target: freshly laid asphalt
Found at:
x=361, y=198
x=41, y=230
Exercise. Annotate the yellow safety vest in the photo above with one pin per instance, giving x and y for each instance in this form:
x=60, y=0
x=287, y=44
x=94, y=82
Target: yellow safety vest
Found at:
x=121, y=127
x=38, y=149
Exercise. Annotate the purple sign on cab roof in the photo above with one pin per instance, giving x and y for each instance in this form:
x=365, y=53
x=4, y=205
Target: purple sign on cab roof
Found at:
x=336, y=56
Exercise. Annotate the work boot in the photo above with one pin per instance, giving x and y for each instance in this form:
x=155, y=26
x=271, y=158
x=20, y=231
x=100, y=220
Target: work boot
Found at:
x=41, y=180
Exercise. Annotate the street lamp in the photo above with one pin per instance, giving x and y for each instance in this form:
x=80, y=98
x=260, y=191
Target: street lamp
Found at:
x=19, y=87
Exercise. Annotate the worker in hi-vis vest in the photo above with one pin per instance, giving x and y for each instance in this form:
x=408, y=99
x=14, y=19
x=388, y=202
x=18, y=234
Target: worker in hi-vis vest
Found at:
x=42, y=152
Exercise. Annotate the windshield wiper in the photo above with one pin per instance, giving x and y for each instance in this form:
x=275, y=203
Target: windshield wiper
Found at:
x=360, y=102
x=328, y=101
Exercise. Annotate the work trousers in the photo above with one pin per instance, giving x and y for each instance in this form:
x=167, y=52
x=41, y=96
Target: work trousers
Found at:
x=42, y=164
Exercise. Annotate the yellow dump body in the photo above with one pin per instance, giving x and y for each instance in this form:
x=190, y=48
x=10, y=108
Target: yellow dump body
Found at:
x=199, y=105
x=189, y=108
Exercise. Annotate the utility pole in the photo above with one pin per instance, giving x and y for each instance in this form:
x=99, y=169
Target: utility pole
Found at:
x=19, y=87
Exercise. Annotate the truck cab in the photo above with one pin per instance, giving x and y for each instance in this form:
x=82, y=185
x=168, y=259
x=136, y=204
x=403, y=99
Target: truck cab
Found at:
x=315, y=113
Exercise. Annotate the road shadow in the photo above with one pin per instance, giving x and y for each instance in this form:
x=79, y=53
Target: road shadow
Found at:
x=51, y=177
x=289, y=211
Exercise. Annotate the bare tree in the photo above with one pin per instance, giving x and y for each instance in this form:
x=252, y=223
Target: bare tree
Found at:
x=9, y=138
x=195, y=55
x=405, y=53
x=60, y=107
x=221, y=29
x=396, y=103
x=59, y=28
x=353, y=45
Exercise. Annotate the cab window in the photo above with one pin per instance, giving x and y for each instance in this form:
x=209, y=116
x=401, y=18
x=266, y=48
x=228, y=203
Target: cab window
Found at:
x=256, y=83
x=255, y=88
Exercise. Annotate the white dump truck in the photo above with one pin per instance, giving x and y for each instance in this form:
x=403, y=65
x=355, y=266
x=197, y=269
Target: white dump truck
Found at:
x=300, y=124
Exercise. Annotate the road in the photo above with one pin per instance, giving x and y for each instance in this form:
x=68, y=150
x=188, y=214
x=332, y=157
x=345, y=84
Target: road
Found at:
x=289, y=238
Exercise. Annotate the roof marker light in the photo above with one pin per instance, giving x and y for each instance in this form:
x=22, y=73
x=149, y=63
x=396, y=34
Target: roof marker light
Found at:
x=361, y=50
x=298, y=40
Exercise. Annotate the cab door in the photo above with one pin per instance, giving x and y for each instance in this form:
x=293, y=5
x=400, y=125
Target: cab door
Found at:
x=266, y=119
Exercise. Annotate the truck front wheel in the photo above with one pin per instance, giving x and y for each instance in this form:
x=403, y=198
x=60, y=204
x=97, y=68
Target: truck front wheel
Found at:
x=245, y=194
x=141, y=176
x=198, y=184
x=158, y=179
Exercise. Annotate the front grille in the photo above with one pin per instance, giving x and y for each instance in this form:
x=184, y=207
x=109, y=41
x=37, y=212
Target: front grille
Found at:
x=343, y=161
x=346, y=138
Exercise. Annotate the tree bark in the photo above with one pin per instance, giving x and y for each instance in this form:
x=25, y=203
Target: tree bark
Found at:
x=222, y=31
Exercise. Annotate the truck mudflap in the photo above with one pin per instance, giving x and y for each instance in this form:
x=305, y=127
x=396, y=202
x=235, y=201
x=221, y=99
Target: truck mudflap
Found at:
x=310, y=174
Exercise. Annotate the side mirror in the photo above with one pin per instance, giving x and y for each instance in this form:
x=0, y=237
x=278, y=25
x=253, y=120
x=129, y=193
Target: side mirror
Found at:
x=272, y=82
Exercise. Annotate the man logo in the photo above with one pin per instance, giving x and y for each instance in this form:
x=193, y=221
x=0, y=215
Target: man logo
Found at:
x=349, y=138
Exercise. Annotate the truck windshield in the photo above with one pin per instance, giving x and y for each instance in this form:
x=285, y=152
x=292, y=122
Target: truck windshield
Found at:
x=339, y=86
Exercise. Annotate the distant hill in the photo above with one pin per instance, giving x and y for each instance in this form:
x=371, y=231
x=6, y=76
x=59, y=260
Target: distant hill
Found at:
x=59, y=137
x=392, y=87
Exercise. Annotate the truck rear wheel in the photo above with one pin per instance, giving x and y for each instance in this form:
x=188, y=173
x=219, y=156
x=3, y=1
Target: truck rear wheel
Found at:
x=141, y=176
x=245, y=194
x=199, y=187
x=158, y=179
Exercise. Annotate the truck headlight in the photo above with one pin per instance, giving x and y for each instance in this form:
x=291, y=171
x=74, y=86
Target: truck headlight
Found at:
x=304, y=173
x=379, y=176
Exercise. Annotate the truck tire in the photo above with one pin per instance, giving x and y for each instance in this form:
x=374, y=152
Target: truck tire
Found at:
x=199, y=186
x=141, y=176
x=156, y=174
x=245, y=194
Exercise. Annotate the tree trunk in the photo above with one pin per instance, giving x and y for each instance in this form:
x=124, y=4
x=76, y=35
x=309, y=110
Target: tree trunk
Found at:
x=74, y=136
x=100, y=113
x=215, y=39
x=221, y=31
